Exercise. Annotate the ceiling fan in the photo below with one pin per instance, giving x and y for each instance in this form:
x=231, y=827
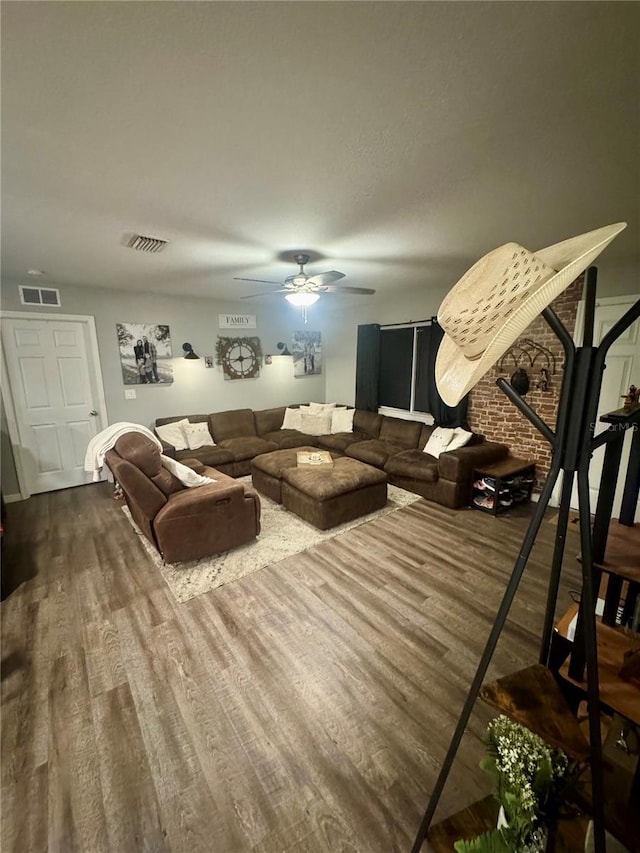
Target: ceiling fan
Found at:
x=302, y=289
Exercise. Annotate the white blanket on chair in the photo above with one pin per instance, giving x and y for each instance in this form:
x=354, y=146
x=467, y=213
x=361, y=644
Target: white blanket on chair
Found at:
x=187, y=476
x=105, y=440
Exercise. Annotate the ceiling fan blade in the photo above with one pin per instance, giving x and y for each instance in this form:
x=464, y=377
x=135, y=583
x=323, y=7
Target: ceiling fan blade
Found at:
x=325, y=277
x=259, y=280
x=267, y=293
x=331, y=289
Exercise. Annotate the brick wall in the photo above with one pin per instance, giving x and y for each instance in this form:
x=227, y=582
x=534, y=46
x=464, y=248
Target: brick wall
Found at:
x=493, y=415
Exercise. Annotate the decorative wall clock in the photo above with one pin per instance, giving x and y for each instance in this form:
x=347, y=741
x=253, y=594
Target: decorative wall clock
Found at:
x=240, y=358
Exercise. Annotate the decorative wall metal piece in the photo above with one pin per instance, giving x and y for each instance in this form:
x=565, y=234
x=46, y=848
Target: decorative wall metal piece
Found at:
x=528, y=358
x=240, y=358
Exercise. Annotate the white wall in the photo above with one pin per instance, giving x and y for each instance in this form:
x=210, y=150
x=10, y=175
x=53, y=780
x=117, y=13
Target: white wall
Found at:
x=200, y=390
x=195, y=388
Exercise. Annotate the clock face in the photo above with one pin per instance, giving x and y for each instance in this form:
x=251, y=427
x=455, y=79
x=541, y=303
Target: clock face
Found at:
x=240, y=361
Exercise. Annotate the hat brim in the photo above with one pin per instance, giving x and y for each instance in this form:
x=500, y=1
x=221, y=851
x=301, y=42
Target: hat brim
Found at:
x=456, y=374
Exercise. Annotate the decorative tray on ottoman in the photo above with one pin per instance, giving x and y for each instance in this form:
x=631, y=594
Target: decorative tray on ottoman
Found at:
x=314, y=459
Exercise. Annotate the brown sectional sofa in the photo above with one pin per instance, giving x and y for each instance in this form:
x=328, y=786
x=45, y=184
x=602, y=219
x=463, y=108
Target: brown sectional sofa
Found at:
x=391, y=444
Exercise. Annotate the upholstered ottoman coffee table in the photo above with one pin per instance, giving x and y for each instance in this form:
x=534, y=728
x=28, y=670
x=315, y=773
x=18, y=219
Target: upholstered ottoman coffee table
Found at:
x=326, y=497
x=266, y=470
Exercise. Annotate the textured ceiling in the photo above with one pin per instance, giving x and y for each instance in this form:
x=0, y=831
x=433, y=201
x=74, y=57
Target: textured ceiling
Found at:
x=394, y=141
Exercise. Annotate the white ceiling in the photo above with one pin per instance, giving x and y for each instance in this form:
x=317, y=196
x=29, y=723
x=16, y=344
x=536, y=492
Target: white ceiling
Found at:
x=396, y=142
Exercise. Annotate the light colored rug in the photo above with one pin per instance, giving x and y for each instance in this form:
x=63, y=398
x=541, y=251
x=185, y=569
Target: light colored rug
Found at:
x=282, y=535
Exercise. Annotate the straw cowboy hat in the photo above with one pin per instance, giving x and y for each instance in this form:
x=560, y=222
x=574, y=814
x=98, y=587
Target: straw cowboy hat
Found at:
x=495, y=301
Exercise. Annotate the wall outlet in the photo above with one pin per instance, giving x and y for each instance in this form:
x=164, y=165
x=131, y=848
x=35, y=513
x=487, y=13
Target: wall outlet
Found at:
x=129, y=393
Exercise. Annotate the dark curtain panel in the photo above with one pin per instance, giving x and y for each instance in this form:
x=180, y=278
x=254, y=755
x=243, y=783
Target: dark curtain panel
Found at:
x=396, y=357
x=367, y=367
x=427, y=398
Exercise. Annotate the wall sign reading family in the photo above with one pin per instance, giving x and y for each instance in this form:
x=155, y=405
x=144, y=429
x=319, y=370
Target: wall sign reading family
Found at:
x=237, y=321
x=145, y=353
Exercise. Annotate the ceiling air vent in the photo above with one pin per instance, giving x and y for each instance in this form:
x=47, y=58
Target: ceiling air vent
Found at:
x=144, y=244
x=49, y=296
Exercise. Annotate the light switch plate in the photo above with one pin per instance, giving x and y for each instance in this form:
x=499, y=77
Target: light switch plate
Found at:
x=129, y=393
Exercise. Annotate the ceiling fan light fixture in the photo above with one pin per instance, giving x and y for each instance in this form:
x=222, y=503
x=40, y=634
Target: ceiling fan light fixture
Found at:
x=299, y=280
x=302, y=299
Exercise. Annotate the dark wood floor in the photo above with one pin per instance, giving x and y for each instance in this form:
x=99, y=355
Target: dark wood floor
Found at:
x=306, y=707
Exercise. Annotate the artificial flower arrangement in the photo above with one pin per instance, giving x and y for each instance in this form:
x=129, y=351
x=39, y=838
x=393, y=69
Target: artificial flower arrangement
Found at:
x=531, y=783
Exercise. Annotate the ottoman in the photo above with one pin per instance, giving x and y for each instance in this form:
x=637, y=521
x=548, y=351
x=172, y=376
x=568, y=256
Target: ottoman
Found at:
x=326, y=497
x=267, y=468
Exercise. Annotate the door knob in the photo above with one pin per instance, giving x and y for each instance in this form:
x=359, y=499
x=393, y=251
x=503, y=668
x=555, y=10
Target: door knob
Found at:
x=93, y=413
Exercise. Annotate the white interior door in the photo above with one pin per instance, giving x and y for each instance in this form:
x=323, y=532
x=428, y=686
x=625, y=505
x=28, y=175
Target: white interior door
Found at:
x=623, y=370
x=55, y=409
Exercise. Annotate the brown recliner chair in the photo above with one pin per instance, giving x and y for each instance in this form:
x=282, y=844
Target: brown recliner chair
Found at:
x=182, y=523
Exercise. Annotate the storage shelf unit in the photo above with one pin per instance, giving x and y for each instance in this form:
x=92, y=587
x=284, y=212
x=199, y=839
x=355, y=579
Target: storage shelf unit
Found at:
x=512, y=480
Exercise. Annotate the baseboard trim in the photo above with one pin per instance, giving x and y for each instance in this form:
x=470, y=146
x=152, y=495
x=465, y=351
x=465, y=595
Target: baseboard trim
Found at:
x=11, y=499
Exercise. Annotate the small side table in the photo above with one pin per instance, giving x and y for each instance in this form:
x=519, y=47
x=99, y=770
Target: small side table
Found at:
x=510, y=482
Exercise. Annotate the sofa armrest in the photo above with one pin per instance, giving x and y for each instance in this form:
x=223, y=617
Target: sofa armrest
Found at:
x=206, y=520
x=201, y=500
x=459, y=465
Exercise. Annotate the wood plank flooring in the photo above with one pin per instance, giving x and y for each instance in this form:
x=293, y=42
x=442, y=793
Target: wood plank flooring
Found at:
x=306, y=707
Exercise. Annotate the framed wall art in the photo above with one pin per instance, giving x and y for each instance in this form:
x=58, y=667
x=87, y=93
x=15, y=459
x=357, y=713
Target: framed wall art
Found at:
x=145, y=353
x=306, y=348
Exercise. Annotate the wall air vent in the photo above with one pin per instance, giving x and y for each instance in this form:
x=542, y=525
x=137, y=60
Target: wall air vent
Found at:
x=144, y=244
x=49, y=296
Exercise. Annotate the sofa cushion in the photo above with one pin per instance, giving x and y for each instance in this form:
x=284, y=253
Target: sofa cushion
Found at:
x=367, y=422
x=438, y=441
x=197, y=435
x=268, y=420
x=373, y=452
x=461, y=437
x=413, y=464
x=339, y=441
x=174, y=434
x=143, y=497
x=319, y=424
x=399, y=431
x=292, y=419
x=342, y=419
x=246, y=447
x=211, y=455
x=145, y=455
x=235, y=423
x=425, y=435
x=138, y=449
x=285, y=438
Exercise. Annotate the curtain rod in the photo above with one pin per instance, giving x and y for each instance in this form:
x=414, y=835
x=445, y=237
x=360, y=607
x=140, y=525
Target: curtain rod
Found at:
x=408, y=323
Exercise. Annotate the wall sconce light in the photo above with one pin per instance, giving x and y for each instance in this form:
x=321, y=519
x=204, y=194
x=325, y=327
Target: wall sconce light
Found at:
x=283, y=348
x=188, y=351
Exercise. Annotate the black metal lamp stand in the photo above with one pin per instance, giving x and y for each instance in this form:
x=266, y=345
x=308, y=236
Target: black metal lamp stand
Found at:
x=572, y=445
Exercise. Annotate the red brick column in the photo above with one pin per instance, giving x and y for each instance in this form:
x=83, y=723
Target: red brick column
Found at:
x=491, y=413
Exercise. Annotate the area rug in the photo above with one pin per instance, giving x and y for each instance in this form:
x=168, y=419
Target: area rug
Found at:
x=282, y=535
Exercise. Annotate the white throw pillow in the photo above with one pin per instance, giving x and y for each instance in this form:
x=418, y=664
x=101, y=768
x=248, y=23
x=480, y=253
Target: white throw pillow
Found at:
x=292, y=419
x=316, y=424
x=438, y=441
x=342, y=420
x=187, y=476
x=174, y=434
x=321, y=408
x=198, y=435
x=460, y=438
